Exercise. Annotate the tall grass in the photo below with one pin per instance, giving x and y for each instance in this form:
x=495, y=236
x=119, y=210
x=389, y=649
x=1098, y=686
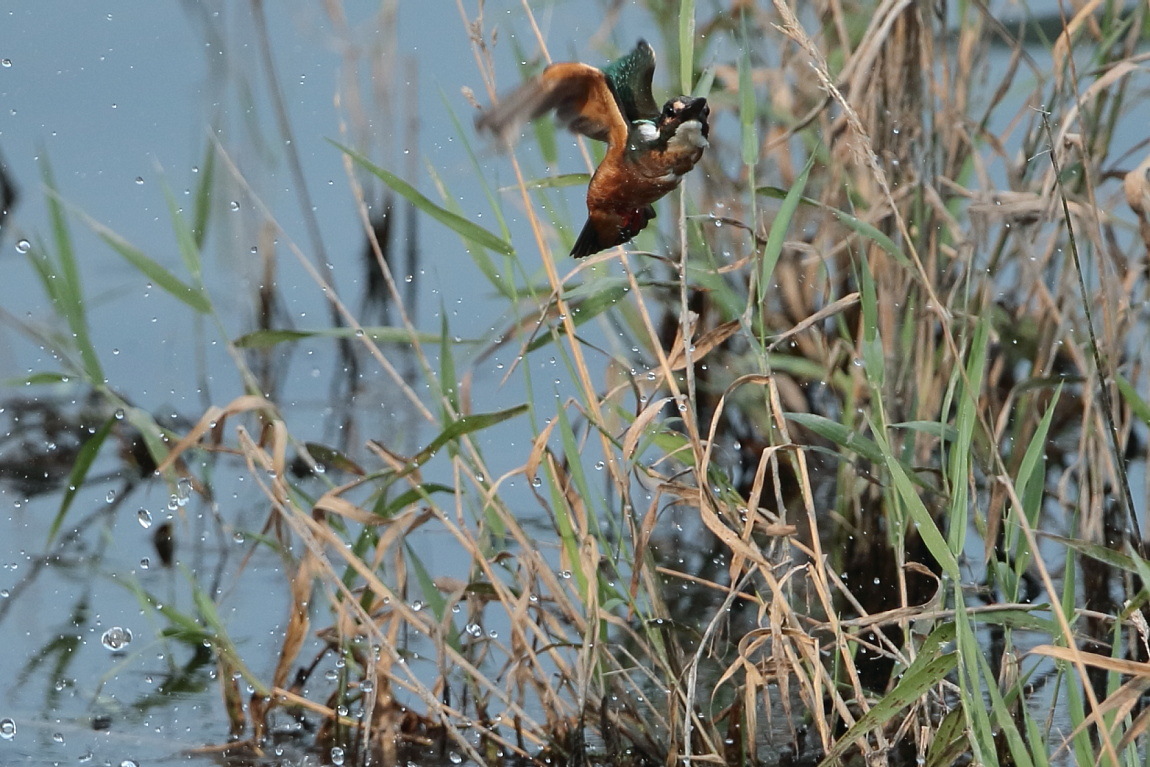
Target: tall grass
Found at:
x=854, y=467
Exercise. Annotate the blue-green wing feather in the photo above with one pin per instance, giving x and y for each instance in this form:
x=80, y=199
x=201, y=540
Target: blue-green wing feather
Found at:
x=630, y=78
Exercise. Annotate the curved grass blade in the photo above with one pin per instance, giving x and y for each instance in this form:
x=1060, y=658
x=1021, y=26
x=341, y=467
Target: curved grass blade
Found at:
x=775, y=238
x=84, y=458
x=927, y=670
x=153, y=270
x=461, y=226
x=204, y=195
x=589, y=308
x=850, y=222
x=462, y=426
x=1138, y=406
x=36, y=379
x=62, y=279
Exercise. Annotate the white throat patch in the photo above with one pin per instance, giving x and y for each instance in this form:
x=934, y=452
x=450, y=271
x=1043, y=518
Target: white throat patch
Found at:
x=689, y=135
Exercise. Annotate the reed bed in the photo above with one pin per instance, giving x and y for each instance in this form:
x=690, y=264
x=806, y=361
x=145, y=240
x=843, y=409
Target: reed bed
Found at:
x=853, y=466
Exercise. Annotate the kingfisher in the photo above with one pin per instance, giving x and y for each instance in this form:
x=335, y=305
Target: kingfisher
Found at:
x=649, y=150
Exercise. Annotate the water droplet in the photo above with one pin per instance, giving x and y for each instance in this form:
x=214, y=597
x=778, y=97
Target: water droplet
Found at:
x=235, y=206
x=145, y=518
x=7, y=729
x=336, y=756
x=23, y=246
x=116, y=638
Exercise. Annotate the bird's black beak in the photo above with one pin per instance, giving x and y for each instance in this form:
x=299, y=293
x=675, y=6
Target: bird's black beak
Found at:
x=683, y=109
x=693, y=109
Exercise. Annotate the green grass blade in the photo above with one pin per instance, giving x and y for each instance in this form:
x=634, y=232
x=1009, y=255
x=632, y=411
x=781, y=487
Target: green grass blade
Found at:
x=604, y=295
x=559, y=181
x=981, y=732
x=203, y=205
x=449, y=379
x=433, y=598
x=463, y=426
x=966, y=418
x=874, y=358
x=461, y=226
x=266, y=339
x=686, y=44
x=153, y=270
x=848, y=438
x=915, y=683
x=65, y=285
x=748, y=108
x=36, y=379
x=856, y=225
x=185, y=239
x=924, y=523
x=1137, y=405
x=778, y=233
x=84, y=458
x=221, y=641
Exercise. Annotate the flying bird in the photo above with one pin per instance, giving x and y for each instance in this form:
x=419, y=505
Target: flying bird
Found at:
x=649, y=150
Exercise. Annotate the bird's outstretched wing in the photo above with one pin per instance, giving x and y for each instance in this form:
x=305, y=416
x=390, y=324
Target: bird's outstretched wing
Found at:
x=630, y=78
x=579, y=94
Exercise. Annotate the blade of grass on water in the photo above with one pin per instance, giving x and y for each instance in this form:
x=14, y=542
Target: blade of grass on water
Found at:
x=153, y=270
x=265, y=339
x=203, y=205
x=220, y=640
x=461, y=226
x=463, y=426
x=185, y=239
x=79, y=472
x=64, y=285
